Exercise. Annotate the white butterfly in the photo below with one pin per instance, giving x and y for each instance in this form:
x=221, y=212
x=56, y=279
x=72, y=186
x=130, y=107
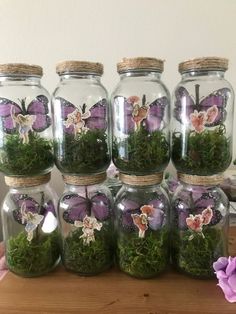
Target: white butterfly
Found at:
x=32, y=220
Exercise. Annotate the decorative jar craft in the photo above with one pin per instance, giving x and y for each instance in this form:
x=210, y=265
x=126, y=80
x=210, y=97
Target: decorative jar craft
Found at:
x=81, y=119
x=30, y=226
x=200, y=218
x=25, y=121
x=85, y=215
x=140, y=114
x=202, y=123
x=142, y=226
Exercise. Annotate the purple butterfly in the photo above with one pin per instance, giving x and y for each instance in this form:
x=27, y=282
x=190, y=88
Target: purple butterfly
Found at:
x=76, y=120
x=78, y=207
x=185, y=105
x=135, y=114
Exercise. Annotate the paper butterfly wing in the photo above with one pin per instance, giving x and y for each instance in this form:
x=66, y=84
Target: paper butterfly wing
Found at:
x=66, y=108
x=218, y=98
x=184, y=105
x=157, y=218
x=208, y=199
x=128, y=207
x=39, y=108
x=100, y=206
x=7, y=108
x=154, y=120
x=30, y=204
x=98, y=112
x=77, y=208
x=127, y=124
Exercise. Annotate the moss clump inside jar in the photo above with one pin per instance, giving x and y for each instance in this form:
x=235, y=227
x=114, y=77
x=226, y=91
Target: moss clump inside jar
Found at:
x=199, y=233
x=81, y=120
x=140, y=105
x=203, y=113
x=25, y=122
x=142, y=231
x=86, y=225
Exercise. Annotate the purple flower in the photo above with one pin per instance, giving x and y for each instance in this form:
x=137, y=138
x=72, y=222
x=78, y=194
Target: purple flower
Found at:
x=225, y=270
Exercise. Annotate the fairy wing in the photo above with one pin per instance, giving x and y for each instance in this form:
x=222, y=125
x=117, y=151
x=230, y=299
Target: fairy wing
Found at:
x=39, y=108
x=30, y=206
x=123, y=108
x=7, y=108
x=66, y=108
x=76, y=208
x=156, y=111
x=218, y=98
x=98, y=114
x=100, y=206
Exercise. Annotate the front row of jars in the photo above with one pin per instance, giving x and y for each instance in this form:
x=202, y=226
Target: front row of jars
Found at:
x=140, y=237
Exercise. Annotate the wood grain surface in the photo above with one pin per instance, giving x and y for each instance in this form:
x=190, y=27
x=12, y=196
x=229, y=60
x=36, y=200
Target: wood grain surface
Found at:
x=113, y=292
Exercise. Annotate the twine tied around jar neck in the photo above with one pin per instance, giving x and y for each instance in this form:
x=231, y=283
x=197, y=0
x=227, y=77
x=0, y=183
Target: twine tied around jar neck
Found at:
x=151, y=179
x=17, y=182
x=21, y=69
x=65, y=67
x=200, y=180
x=85, y=180
x=140, y=63
x=207, y=63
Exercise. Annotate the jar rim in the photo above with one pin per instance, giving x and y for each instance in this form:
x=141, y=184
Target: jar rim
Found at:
x=18, y=69
x=145, y=180
x=140, y=64
x=74, y=66
x=85, y=180
x=204, y=63
x=17, y=182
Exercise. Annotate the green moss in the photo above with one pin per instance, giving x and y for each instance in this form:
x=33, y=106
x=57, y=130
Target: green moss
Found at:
x=87, y=153
x=33, y=258
x=196, y=257
x=141, y=152
x=205, y=153
x=143, y=257
x=33, y=158
x=88, y=259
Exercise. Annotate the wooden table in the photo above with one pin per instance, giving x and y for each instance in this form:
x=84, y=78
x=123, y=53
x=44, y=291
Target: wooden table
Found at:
x=113, y=292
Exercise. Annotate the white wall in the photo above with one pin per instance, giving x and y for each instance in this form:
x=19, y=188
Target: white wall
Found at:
x=46, y=31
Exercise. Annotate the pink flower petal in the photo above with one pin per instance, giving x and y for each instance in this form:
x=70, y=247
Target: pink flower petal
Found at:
x=232, y=282
x=231, y=266
x=228, y=292
x=220, y=264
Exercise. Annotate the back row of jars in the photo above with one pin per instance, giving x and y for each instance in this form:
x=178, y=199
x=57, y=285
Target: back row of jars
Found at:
x=201, y=125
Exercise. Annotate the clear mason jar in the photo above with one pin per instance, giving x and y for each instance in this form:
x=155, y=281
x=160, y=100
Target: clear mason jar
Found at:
x=202, y=120
x=30, y=226
x=142, y=226
x=86, y=225
x=200, y=218
x=140, y=117
x=25, y=121
x=81, y=128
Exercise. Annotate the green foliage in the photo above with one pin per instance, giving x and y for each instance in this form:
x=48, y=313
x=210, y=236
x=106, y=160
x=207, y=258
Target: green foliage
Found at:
x=35, y=157
x=88, y=259
x=144, y=152
x=195, y=257
x=87, y=153
x=205, y=153
x=143, y=257
x=33, y=258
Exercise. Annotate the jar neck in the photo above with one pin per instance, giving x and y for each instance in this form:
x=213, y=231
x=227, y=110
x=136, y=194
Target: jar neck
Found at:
x=19, y=79
x=28, y=189
x=150, y=74
x=130, y=187
x=203, y=73
x=80, y=76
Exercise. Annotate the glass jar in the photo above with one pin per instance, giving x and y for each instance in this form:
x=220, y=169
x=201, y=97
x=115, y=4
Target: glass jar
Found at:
x=85, y=216
x=25, y=121
x=200, y=217
x=140, y=113
x=202, y=121
x=30, y=226
x=142, y=226
x=81, y=119
x=113, y=182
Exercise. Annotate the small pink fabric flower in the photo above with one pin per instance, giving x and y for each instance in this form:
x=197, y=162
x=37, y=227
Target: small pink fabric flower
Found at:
x=225, y=270
x=195, y=222
x=198, y=120
x=212, y=113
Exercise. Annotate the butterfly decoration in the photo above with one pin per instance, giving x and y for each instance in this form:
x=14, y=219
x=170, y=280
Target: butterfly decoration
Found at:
x=16, y=118
x=146, y=216
x=30, y=213
x=206, y=112
x=139, y=113
x=78, y=207
x=196, y=223
x=77, y=120
x=201, y=199
x=88, y=225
